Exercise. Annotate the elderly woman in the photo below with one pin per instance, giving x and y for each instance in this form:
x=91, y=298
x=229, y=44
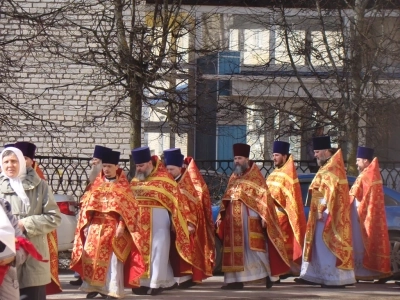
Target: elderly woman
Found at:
x=33, y=204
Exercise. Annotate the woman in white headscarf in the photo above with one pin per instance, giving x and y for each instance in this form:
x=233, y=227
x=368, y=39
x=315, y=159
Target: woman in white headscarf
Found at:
x=34, y=206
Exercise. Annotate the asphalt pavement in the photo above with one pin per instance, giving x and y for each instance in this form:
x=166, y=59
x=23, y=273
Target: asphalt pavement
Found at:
x=210, y=289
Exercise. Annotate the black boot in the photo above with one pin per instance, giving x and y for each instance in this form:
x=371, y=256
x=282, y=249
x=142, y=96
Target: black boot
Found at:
x=233, y=286
x=91, y=295
x=155, y=292
x=174, y=286
x=76, y=282
x=140, y=290
x=333, y=286
x=268, y=283
x=186, y=284
x=303, y=281
x=383, y=280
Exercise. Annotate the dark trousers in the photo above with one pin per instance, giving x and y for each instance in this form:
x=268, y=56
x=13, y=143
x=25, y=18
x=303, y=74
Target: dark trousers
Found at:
x=33, y=293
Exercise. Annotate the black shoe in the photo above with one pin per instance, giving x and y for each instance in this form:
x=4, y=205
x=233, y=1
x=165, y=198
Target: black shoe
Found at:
x=285, y=276
x=174, y=286
x=140, y=290
x=303, y=281
x=269, y=283
x=91, y=295
x=155, y=292
x=186, y=284
x=76, y=282
x=333, y=286
x=233, y=286
x=276, y=282
x=382, y=280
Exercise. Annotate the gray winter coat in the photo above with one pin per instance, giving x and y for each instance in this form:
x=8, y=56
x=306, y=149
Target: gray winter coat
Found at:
x=39, y=218
x=9, y=289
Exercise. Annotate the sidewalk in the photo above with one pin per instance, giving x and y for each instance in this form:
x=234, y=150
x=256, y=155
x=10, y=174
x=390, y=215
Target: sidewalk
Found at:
x=210, y=289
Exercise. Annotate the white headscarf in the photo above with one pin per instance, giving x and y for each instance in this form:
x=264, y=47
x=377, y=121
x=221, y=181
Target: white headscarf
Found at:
x=7, y=234
x=16, y=182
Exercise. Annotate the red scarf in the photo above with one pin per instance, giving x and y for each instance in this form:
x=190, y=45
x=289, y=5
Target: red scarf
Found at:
x=25, y=244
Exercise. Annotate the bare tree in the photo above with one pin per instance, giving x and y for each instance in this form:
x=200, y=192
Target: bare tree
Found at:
x=336, y=64
x=97, y=64
x=21, y=32
x=138, y=54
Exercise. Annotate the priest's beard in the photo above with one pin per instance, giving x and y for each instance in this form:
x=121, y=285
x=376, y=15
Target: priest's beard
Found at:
x=240, y=169
x=322, y=160
x=141, y=176
x=96, y=169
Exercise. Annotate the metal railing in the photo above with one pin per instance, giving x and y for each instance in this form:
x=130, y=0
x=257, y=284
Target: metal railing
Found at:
x=69, y=175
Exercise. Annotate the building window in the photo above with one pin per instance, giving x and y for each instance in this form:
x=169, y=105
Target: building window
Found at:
x=294, y=137
x=182, y=44
x=255, y=46
x=321, y=50
x=296, y=41
x=176, y=45
x=234, y=39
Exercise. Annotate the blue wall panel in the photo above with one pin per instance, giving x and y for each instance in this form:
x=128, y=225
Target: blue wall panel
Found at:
x=227, y=135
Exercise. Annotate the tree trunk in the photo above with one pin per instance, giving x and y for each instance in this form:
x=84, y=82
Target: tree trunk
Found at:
x=135, y=132
x=352, y=144
x=353, y=108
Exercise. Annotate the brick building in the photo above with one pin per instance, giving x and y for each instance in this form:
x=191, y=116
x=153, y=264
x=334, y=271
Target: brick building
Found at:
x=47, y=85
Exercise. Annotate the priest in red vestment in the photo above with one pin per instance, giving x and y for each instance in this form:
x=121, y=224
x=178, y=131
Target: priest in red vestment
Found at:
x=372, y=258
x=195, y=217
x=253, y=244
x=97, y=168
x=108, y=234
x=328, y=250
x=284, y=187
x=164, y=226
x=205, y=203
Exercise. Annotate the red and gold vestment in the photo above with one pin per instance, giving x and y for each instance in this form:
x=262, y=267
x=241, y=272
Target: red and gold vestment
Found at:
x=368, y=189
x=206, y=234
x=200, y=257
x=284, y=187
x=330, y=182
x=105, y=205
x=251, y=190
x=160, y=190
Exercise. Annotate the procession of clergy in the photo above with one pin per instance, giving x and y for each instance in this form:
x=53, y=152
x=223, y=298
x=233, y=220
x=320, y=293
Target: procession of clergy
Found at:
x=156, y=232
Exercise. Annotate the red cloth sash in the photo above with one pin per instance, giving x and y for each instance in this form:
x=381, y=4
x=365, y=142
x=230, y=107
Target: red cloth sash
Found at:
x=29, y=248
